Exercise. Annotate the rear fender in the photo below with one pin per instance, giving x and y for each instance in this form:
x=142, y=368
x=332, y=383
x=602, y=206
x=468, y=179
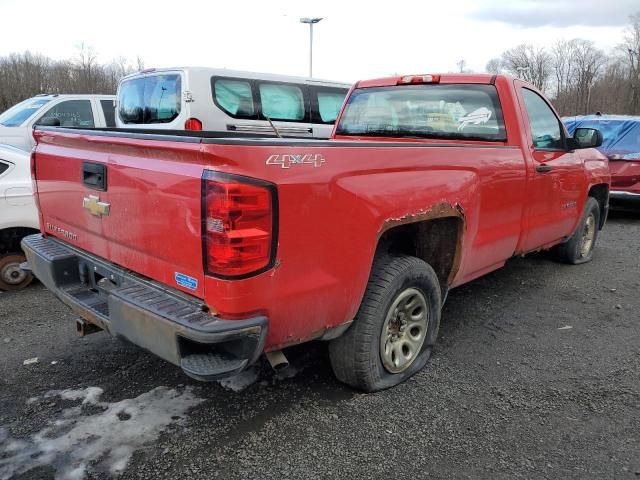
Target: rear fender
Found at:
x=393, y=199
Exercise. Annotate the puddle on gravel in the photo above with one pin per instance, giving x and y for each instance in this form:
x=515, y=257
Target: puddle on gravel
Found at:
x=101, y=434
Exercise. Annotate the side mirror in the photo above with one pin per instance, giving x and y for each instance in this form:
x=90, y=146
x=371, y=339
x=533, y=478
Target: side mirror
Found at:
x=48, y=122
x=585, y=138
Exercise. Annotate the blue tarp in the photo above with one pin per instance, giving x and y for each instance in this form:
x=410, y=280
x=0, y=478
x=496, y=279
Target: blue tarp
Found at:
x=621, y=134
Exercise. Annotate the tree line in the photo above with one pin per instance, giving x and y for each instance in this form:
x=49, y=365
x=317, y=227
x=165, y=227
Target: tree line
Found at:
x=23, y=75
x=579, y=77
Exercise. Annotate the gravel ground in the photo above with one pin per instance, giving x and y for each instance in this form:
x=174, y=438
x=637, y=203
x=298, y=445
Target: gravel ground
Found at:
x=536, y=375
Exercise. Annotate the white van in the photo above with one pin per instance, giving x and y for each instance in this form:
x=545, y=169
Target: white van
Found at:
x=85, y=111
x=223, y=100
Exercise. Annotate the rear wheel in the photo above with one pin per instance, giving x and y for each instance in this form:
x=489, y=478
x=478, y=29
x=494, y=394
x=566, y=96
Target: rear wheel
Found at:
x=11, y=276
x=395, y=329
x=580, y=246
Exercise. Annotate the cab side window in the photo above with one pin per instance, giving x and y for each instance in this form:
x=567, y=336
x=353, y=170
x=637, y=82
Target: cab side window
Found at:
x=545, y=126
x=3, y=167
x=72, y=113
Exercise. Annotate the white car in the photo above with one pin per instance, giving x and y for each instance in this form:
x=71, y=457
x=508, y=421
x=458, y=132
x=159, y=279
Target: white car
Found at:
x=88, y=111
x=220, y=100
x=18, y=215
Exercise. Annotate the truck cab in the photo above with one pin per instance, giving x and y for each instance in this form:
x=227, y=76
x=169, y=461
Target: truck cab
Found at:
x=84, y=111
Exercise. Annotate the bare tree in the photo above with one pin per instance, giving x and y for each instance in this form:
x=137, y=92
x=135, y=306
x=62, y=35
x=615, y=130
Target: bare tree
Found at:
x=589, y=61
x=529, y=63
x=562, y=54
x=494, y=66
x=631, y=49
x=23, y=75
x=86, y=60
x=580, y=77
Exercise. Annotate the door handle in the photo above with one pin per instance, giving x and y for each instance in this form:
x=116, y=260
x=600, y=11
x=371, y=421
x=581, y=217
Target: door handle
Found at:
x=94, y=175
x=543, y=168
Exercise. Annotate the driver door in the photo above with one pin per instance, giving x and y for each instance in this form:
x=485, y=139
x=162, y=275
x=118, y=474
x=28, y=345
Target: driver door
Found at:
x=556, y=179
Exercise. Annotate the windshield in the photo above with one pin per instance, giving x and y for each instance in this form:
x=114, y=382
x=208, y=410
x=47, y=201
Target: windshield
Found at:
x=17, y=114
x=465, y=111
x=151, y=99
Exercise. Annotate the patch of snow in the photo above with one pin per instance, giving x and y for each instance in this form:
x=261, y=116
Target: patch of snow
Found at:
x=30, y=361
x=89, y=395
x=239, y=382
x=106, y=440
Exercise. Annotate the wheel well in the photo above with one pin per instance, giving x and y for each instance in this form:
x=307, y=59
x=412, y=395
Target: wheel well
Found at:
x=436, y=241
x=10, y=239
x=601, y=193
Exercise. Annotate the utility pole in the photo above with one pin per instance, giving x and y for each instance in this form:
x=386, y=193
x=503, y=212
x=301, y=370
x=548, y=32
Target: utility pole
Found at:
x=311, y=22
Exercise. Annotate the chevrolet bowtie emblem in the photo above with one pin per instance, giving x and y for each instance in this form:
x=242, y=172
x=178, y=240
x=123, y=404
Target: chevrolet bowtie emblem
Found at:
x=95, y=206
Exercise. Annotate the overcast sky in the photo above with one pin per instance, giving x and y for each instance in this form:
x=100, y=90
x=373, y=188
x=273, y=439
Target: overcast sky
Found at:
x=356, y=39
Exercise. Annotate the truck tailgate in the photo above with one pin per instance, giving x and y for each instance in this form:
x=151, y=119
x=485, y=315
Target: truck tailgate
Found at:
x=147, y=215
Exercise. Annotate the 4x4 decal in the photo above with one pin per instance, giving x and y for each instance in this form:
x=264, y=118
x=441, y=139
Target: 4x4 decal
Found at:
x=286, y=160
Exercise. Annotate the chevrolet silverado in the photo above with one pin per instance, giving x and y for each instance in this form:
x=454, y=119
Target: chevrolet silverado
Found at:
x=209, y=250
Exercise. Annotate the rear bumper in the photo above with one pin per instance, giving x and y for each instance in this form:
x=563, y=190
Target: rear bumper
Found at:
x=167, y=323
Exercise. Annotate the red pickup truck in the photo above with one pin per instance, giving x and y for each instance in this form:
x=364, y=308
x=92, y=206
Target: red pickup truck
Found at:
x=209, y=250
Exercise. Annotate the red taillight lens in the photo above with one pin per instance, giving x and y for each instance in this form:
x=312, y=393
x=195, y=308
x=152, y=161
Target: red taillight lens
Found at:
x=238, y=225
x=193, y=124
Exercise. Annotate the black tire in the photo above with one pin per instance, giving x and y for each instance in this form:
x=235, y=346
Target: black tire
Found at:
x=573, y=250
x=357, y=356
x=11, y=277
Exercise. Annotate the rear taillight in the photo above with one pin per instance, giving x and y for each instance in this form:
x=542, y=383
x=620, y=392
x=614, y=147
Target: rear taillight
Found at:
x=193, y=124
x=238, y=225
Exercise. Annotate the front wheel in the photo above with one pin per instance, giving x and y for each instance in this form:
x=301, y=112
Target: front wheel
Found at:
x=393, y=334
x=580, y=246
x=12, y=277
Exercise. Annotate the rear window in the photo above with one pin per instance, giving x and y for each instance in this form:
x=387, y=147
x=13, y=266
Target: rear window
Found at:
x=109, y=112
x=456, y=111
x=3, y=167
x=151, y=99
x=17, y=114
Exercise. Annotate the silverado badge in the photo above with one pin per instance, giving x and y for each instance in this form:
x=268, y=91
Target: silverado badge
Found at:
x=95, y=206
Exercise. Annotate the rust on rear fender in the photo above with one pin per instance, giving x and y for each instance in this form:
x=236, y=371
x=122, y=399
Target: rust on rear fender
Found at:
x=438, y=211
